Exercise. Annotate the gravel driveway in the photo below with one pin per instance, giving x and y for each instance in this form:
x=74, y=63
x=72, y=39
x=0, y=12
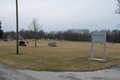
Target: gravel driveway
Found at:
x=10, y=74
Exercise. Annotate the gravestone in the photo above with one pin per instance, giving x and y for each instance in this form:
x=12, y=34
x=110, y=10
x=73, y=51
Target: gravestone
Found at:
x=22, y=43
x=42, y=38
x=52, y=44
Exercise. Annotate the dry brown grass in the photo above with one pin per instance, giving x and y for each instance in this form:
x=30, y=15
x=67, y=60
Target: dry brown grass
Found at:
x=67, y=56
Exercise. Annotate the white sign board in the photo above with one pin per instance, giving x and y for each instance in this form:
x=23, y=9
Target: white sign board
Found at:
x=98, y=37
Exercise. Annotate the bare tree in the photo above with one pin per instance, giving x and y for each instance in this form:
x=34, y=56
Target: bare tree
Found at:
x=118, y=9
x=35, y=28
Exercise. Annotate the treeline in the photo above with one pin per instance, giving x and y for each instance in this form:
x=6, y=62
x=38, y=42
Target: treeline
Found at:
x=69, y=35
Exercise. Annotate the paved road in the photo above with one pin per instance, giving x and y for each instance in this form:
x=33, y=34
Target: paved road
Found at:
x=10, y=74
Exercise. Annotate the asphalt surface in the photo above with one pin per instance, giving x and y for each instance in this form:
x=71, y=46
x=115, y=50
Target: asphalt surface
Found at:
x=106, y=74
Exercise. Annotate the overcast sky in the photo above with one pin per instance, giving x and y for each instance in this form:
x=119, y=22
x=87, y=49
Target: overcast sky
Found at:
x=59, y=15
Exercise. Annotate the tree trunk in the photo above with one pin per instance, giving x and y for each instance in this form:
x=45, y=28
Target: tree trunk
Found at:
x=35, y=43
x=35, y=38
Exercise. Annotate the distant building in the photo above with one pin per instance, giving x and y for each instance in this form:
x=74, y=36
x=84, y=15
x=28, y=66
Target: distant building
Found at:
x=11, y=37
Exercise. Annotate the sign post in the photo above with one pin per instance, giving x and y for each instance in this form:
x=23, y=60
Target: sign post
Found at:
x=98, y=37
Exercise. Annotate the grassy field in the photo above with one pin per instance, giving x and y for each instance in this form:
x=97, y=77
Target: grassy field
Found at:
x=67, y=56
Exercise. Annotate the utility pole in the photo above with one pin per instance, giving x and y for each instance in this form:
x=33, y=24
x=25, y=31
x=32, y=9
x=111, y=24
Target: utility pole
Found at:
x=17, y=48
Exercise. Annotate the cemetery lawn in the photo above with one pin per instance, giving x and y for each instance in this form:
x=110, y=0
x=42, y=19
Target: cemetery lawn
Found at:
x=67, y=56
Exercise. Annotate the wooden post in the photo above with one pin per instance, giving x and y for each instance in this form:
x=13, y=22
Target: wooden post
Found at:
x=17, y=48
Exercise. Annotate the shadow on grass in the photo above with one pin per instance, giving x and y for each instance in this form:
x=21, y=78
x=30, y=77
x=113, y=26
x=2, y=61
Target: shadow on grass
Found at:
x=17, y=54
